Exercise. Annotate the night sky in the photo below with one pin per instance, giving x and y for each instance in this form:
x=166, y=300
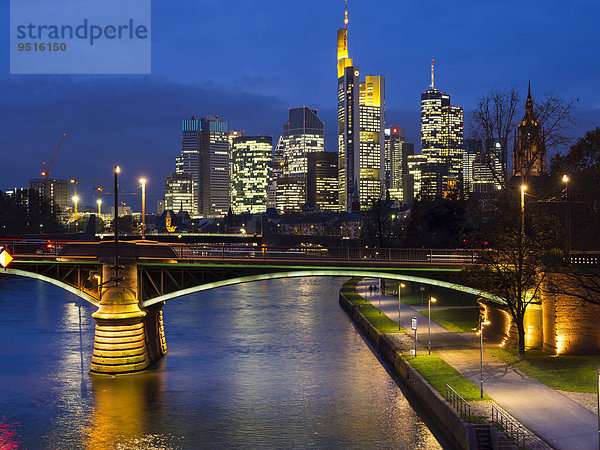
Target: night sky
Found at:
x=249, y=61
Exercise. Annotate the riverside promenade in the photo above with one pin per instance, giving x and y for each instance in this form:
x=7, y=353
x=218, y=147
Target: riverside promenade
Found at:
x=558, y=420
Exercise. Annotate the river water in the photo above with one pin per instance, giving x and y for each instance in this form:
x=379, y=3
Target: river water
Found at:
x=273, y=364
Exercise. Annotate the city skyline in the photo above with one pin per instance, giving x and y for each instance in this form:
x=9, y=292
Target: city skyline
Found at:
x=139, y=116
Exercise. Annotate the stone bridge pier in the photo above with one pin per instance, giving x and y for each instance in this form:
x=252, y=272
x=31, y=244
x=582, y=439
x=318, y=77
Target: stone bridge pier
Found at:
x=127, y=339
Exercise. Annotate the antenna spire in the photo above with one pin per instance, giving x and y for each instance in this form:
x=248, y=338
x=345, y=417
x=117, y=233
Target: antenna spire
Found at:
x=346, y=15
x=432, y=73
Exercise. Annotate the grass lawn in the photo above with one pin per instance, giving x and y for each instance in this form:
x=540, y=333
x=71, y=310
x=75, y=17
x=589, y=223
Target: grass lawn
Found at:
x=411, y=295
x=567, y=373
x=439, y=373
x=459, y=320
x=379, y=320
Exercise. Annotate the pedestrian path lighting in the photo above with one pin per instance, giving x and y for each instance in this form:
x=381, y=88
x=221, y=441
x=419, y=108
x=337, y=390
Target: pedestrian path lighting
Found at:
x=431, y=300
x=400, y=286
x=482, y=325
x=523, y=189
x=566, y=180
x=143, y=183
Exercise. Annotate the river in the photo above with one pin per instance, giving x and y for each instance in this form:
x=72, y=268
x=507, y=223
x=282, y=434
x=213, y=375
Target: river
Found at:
x=272, y=364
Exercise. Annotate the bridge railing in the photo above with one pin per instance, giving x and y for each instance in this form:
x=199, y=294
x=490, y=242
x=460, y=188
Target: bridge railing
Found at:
x=431, y=256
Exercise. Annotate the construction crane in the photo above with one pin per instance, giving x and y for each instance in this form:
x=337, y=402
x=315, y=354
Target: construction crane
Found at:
x=46, y=170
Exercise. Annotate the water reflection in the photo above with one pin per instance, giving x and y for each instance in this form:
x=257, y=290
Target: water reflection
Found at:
x=267, y=364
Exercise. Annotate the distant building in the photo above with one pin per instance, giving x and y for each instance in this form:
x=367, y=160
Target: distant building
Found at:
x=414, y=169
x=20, y=196
x=302, y=135
x=205, y=156
x=291, y=194
x=361, y=117
x=57, y=192
x=442, y=132
x=179, y=192
x=397, y=151
x=482, y=170
x=322, y=181
x=529, y=156
x=251, y=158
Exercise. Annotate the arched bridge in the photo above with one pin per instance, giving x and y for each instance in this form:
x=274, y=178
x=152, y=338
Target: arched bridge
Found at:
x=129, y=326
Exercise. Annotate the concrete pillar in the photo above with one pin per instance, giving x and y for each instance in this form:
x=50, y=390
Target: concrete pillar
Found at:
x=127, y=339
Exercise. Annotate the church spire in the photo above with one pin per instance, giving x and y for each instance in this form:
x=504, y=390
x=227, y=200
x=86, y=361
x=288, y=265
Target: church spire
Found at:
x=529, y=102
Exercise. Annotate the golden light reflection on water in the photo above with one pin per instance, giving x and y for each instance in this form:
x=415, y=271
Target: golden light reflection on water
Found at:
x=122, y=407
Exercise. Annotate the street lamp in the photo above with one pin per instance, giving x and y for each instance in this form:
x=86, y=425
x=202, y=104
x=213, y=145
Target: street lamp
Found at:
x=566, y=180
x=400, y=286
x=99, y=203
x=523, y=189
x=117, y=171
x=482, y=324
x=431, y=300
x=143, y=181
x=75, y=201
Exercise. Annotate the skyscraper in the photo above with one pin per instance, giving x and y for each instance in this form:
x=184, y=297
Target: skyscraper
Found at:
x=251, y=158
x=394, y=161
x=179, y=192
x=322, y=181
x=361, y=117
x=205, y=156
x=213, y=192
x=302, y=134
x=441, y=135
x=529, y=155
x=187, y=163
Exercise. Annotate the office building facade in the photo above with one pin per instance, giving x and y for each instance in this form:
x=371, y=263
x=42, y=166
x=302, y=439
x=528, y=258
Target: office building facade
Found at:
x=322, y=181
x=251, y=160
x=179, y=192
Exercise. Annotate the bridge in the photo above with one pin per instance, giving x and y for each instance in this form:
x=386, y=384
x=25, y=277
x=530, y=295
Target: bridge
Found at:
x=130, y=294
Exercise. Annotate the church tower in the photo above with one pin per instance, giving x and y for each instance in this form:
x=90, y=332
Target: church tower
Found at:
x=529, y=155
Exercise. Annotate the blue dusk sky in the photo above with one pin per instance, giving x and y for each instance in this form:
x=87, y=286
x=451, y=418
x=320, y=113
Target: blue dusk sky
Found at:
x=249, y=61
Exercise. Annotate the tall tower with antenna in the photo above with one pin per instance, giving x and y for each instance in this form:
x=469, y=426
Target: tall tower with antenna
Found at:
x=441, y=143
x=361, y=109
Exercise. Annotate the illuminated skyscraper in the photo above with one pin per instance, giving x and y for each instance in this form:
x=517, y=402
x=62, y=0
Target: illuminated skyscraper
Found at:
x=179, y=192
x=529, y=156
x=57, y=192
x=322, y=181
x=205, y=156
x=441, y=135
x=251, y=158
x=213, y=188
x=291, y=194
x=394, y=161
x=188, y=161
x=361, y=114
x=302, y=134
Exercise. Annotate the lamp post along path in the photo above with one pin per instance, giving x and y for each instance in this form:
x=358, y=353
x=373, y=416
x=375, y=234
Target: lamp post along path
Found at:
x=431, y=300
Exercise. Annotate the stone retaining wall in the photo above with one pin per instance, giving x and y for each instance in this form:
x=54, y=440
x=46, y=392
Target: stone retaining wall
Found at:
x=459, y=432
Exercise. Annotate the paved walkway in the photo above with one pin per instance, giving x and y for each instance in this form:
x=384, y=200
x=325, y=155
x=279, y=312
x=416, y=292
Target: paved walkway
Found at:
x=558, y=420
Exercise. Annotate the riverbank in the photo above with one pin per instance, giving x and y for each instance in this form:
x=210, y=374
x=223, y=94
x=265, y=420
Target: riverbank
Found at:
x=391, y=347
x=561, y=422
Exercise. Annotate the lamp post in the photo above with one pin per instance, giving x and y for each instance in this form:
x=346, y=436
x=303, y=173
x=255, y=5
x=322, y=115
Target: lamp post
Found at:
x=117, y=170
x=422, y=288
x=99, y=203
x=523, y=189
x=143, y=181
x=400, y=286
x=566, y=180
x=431, y=300
x=75, y=201
x=482, y=324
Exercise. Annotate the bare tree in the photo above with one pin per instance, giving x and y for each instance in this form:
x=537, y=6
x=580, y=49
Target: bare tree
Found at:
x=519, y=261
x=494, y=121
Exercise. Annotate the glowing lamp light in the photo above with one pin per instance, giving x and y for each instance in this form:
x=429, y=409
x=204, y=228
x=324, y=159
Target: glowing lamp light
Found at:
x=565, y=179
x=395, y=130
x=99, y=201
x=117, y=169
x=5, y=258
x=75, y=199
x=143, y=181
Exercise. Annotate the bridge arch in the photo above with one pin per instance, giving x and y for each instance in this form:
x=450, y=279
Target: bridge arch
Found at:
x=67, y=287
x=319, y=273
